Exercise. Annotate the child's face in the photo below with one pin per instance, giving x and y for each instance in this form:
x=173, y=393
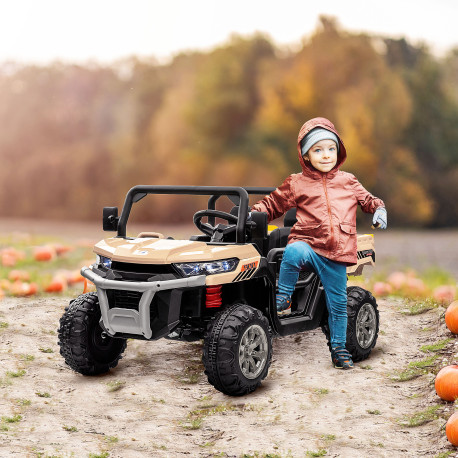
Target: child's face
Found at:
x=323, y=155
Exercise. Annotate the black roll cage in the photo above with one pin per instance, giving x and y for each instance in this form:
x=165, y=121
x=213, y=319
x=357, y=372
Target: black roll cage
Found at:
x=238, y=195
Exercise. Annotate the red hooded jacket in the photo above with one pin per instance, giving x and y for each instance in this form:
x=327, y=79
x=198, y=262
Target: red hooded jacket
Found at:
x=326, y=203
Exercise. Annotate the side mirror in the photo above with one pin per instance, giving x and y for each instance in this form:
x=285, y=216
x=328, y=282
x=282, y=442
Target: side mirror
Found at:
x=110, y=218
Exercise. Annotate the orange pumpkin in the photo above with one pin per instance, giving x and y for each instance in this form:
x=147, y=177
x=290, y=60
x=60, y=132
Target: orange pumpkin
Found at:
x=451, y=317
x=397, y=280
x=62, y=249
x=446, y=383
x=451, y=429
x=21, y=275
x=57, y=285
x=75, y=277
x=21, y=289
x=444, y=293
x=8, y=260
x=44, y=253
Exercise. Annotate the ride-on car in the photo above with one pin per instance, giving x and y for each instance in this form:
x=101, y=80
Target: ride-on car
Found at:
x=218, y=286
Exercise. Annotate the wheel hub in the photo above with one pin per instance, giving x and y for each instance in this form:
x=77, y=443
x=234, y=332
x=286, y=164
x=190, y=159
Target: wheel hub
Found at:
x=366, y=325
x=253, y=351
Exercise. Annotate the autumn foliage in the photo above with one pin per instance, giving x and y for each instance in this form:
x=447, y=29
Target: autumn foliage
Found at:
x=77, y=138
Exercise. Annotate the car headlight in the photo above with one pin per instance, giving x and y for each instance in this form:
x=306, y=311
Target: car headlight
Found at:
x=103, y=261
x=189, y=269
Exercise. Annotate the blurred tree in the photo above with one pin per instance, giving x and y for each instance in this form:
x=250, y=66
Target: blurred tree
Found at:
x=225, y=94
x=432, y=132
x=75, y=138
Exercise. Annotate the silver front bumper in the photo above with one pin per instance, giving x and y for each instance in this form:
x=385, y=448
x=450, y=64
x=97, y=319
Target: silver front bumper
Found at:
x=130, y=321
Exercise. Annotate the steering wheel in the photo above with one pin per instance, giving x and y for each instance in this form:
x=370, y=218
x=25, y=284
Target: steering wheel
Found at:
x=210, y=230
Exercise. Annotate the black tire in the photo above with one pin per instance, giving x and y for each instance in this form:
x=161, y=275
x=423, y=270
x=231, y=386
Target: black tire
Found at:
x=86, y=348
x=363, y=323
x=229, y=363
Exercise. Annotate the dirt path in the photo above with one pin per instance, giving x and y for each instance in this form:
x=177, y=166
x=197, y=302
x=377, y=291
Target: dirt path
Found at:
x=303, y=406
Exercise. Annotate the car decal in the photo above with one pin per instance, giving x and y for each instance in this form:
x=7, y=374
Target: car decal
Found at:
x=244, y=275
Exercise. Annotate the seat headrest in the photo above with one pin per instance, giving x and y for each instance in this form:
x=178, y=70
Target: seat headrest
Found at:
x=235, y=210
x=290, y=218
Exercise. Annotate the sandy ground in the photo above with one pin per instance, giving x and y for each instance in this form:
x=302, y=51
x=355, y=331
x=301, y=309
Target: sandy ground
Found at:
x=303, y=406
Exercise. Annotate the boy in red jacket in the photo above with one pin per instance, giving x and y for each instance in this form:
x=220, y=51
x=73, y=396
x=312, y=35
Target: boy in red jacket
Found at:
x=324, y=236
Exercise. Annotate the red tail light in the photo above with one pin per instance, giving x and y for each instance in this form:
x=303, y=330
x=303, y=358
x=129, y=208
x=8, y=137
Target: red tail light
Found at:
x=213, y=296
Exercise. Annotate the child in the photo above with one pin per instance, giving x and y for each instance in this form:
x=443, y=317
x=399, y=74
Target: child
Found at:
x=324, y=237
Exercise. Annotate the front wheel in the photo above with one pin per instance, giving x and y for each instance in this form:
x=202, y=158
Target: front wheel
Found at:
x=362, y=325
x=85, y=346
x=237, y=350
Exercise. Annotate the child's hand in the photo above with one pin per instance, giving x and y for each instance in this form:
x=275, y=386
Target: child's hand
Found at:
x=380, y=219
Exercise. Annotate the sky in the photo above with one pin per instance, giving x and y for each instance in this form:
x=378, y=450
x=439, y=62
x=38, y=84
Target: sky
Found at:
x=42, y=31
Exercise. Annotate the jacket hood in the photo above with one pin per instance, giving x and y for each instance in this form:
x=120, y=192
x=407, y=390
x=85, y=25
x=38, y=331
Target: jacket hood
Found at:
x=325, y=124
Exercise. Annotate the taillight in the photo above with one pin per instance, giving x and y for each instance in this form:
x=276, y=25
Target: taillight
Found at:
x=213, y=296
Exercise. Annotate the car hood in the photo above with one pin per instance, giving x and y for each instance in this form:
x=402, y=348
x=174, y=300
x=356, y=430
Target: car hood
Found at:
x=164, y=251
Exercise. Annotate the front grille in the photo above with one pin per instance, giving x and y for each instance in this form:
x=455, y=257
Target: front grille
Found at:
x=143, y=268
x=123, y=299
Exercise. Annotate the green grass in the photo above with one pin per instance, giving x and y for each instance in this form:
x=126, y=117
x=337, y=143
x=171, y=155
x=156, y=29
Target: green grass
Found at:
x=438, y=346
x=195, y=418
x=374, y=412
x=27, y=357
x=193, y=423
x=46, y=350
x=328, y=437
x=445, y=454
x=420, y=418
x=321, y=391
x=3, y=324
x=424, y=363
x=415, y=369
x=99, y=455
x=434, y=277
x=115, y=385
x=192, y=372
x=70, y=429
x=419, y=307
x=260, y=455
x=111, y=439
x=17, y=374
x=23, y=402
x=42, y=272
x=321, y=452
x=43, y=395
x=13, y=419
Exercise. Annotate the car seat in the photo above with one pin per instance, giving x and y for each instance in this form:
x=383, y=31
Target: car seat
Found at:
x=278, y=238
x=258, y=233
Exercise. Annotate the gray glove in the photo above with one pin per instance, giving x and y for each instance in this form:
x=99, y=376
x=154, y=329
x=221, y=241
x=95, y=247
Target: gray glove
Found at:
x=380, y=219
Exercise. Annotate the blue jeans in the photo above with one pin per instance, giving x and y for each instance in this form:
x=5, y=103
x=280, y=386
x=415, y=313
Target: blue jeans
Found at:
x=333, y=276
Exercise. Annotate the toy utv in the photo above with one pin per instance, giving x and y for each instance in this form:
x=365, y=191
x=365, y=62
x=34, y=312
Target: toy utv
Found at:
x=219, y=286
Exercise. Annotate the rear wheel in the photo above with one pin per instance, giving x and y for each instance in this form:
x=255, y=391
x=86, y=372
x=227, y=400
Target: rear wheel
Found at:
x=85, y=346
x=237, y=350
x=363, y=323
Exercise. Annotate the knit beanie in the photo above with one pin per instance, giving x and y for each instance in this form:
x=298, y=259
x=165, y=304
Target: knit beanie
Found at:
x=316, y=135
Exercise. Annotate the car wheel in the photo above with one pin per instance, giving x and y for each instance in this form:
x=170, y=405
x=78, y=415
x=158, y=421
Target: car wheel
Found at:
x=237, y=350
